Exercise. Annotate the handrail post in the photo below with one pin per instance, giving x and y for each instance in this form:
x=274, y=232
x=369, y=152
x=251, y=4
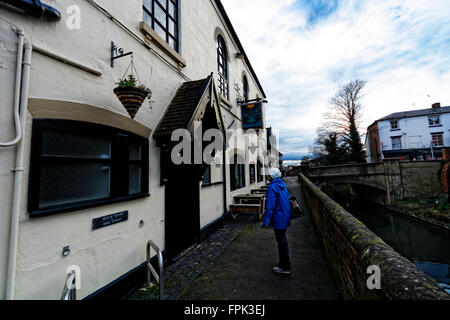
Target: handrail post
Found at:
x=69, y=291
x=150, y=270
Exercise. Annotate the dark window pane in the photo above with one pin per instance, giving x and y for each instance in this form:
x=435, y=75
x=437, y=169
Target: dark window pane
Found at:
x=135, y=151
x=57, y=143
x=134, y=186
x=66, y=182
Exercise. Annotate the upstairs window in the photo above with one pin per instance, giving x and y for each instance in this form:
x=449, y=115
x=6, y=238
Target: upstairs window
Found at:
x=162, y=16
x=437, y=139
x=245, y=87
x=396, y=143
x=222, y=67
x=434, y=121
x=76, y=165
x=394, y=125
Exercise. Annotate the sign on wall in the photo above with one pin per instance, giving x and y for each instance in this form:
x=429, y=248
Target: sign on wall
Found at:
x=252, y=116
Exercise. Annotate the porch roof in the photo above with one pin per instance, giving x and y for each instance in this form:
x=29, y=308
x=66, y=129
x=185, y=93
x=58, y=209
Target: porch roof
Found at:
x=180, y=111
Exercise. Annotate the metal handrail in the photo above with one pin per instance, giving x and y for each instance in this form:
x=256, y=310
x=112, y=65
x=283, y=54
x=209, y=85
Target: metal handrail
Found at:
x=150, y=270
x=69, y=291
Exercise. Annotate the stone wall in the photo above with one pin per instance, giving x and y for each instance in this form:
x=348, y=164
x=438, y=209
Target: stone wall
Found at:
x=351, y=248
x=421, y=178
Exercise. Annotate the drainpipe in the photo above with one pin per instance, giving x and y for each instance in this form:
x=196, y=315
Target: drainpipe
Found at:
x=36, y=9
x=17, y=93
x=18, y=173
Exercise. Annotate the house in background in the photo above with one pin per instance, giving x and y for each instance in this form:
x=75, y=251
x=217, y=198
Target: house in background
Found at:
x=88, y=186
x=411, y=135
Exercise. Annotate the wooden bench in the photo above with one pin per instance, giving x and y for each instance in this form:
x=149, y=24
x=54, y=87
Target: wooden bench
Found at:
x=244, y=208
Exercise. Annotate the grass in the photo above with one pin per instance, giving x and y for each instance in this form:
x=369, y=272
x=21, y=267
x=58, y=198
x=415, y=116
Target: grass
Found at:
x=434, y=208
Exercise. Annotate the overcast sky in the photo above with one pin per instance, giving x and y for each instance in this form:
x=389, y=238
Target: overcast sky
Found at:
x=303, y=51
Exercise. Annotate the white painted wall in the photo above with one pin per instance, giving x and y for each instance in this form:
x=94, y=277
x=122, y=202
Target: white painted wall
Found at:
x=108, y=253
x=415, y=132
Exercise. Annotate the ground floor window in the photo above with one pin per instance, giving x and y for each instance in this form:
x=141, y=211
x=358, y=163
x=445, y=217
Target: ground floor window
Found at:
x=76, y=164
x=252, y=169
x=259, y=171
x=237, y=173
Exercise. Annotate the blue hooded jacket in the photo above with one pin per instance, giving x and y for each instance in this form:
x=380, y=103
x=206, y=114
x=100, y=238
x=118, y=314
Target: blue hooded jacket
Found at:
x=278, y=207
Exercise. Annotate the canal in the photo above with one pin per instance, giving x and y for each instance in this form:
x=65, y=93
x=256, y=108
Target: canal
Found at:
x=427, y=247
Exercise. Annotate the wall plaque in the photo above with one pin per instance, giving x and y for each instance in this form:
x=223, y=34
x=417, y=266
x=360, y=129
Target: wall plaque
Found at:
x=109, y=220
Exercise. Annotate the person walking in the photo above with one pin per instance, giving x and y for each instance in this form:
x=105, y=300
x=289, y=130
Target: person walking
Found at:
x=278, y=215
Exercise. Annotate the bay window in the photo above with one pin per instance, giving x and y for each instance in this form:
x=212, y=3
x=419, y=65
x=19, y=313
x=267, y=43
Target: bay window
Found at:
x=76, y=164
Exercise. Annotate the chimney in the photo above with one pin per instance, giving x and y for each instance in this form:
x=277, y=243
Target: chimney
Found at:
x=436, y=105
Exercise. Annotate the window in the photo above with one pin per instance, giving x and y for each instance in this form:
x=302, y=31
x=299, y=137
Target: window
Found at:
x=237, y=173
x=252, y=169
x=162, y=16
x=245, y=87
x=77, y=164
x=396, y=142
x=222, y=65
x=434, y=121
x=394, y=125
x=437, y=139
x=259, y=171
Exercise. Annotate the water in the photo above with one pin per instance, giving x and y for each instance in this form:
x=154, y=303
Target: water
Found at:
x=427, y=247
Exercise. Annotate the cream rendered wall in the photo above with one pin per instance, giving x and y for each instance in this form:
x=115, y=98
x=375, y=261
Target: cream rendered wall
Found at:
x=108, y=253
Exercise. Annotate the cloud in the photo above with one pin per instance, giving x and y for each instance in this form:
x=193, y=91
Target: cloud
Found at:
x=303, y=51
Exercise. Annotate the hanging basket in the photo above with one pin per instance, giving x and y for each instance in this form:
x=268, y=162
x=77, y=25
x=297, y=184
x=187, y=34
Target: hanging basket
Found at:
x=131, y=98
x=131, y=92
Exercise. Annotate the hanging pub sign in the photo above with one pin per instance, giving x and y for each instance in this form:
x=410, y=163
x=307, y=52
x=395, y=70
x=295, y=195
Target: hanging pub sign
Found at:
x=252, y=116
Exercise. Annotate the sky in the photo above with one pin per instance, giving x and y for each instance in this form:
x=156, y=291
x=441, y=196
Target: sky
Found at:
x=303, y=51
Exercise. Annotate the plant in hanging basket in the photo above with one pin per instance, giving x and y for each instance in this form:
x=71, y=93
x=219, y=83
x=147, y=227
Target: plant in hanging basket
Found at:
x=131, y=95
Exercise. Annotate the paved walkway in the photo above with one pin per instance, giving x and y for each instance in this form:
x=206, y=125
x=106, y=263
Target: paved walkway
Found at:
x=236, y=263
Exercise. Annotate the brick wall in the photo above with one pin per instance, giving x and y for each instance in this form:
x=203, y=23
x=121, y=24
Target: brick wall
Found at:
x=351, y=248
x=421, y=178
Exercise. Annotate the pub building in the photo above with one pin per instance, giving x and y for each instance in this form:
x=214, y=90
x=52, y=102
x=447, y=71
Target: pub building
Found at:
x=92, y=92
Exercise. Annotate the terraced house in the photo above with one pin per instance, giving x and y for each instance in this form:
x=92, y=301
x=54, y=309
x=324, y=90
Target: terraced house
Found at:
x=87, y=182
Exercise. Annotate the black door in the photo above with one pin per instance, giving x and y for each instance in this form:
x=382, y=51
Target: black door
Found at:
x=182, y=208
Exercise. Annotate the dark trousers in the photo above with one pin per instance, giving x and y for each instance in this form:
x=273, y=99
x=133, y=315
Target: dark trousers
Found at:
x=283, y=249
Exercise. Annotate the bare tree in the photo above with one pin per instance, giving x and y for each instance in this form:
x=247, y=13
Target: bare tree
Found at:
x=345, y=110
x=343, y=122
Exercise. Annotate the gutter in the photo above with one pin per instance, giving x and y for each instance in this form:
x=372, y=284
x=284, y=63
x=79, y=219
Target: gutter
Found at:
x=35, y=9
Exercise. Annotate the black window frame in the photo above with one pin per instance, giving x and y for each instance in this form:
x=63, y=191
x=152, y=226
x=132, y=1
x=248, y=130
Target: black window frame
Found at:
x=252, y=173
x=119, y=165
x=434, y=121
x=222, y=67
x=259, y=171
x=239, y=169
x=164, y=6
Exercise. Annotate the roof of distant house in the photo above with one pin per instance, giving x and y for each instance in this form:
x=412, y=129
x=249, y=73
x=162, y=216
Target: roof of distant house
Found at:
x=416, y=113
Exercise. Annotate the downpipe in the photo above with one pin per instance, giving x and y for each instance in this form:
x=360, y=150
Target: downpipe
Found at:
x=18, y=79
x=18, y=174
